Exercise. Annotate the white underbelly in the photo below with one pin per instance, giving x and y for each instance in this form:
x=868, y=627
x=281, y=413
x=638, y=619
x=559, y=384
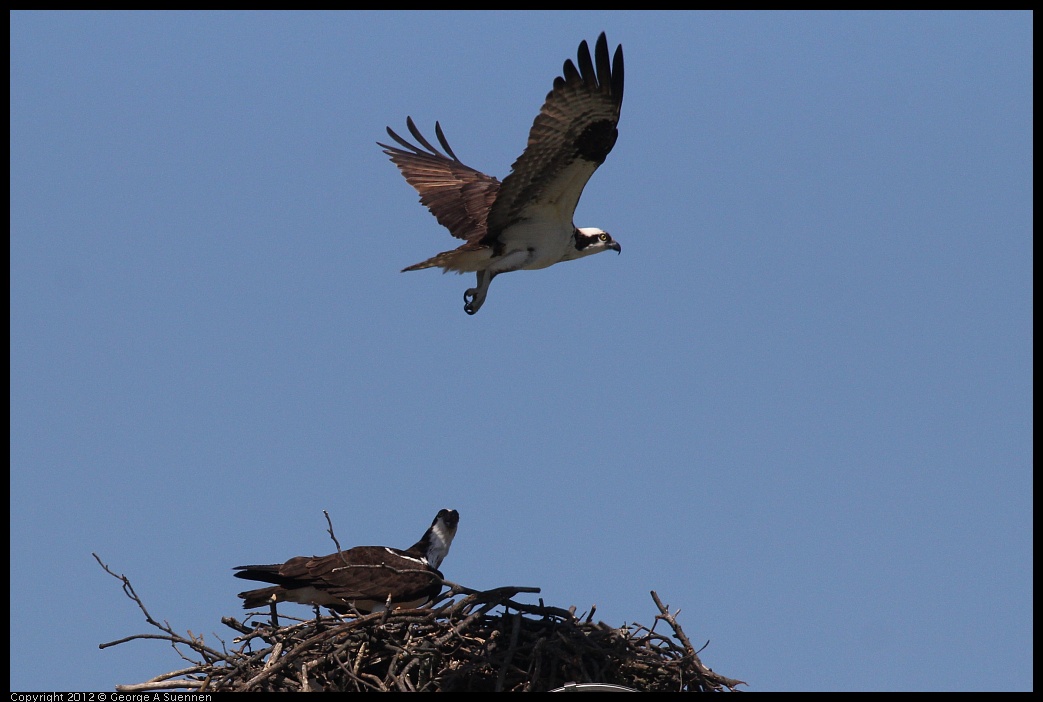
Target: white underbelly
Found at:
x=532, y=245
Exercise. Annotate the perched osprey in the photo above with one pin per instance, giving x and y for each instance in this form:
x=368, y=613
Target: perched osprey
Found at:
x=525, y=222
x=361, y=578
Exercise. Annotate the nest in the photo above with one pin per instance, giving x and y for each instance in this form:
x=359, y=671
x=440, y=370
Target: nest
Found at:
x=467, y=640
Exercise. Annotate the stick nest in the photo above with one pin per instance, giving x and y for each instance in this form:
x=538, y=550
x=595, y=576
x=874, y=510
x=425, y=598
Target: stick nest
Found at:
x=467, y=641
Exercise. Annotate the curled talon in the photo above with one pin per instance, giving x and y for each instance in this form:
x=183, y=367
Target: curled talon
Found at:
x=473, y=299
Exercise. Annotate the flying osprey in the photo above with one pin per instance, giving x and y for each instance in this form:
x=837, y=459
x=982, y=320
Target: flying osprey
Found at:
x=525, y=222
x=361, y=578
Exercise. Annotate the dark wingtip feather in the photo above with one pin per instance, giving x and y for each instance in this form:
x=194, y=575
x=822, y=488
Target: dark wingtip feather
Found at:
x=601, y=59
x=569, y=72
x=617, y=74
x=443, y=142
x=586, y=66
x=610, y=75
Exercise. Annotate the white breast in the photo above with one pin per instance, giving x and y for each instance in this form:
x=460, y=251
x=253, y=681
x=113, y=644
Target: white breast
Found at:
x=534, y=243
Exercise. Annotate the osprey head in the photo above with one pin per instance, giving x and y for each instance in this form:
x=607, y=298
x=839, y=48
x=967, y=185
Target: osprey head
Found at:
x=591, y=240
x=440, y=536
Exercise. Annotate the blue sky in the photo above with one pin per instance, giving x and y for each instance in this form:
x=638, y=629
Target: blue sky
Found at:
x=797, y=405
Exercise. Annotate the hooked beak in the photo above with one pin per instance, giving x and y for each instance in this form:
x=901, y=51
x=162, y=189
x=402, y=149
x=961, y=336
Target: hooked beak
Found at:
x=615, y=245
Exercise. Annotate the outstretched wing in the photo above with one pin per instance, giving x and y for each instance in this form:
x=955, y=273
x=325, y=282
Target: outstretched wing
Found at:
x=569, y=139
x=458, y=196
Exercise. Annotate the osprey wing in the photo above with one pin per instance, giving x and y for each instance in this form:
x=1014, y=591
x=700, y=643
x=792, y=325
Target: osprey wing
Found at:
x=458, y=196
x=572, y=135
x=373, y=575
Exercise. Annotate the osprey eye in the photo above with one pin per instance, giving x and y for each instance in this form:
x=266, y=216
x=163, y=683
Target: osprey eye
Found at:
x=603, y=237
